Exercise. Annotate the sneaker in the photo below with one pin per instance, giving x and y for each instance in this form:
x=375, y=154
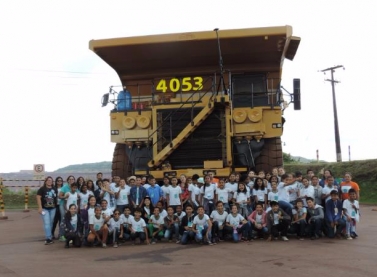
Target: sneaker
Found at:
x=62, y=239
x=275, y=238
x=301, y=238
x=210, y=243
x=349, y=237
x=354, y=235
x=178, y=241
x=153, y=241
x=284, y=238
x=104, y=245
x=48, y=241
x=115, y=245
x=313, y=238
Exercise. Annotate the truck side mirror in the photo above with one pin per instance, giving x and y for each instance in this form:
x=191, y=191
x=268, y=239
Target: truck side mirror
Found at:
x=296, y=94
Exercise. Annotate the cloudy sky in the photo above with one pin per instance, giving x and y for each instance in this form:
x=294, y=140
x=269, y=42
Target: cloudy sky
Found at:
x=51, y=83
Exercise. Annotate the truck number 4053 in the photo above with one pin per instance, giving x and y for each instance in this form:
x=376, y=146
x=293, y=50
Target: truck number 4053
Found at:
x=184, y=84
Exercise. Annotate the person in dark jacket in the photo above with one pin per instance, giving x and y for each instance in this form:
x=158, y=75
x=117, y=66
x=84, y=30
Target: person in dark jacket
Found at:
x=315, y=218
x=333, y=216
x=277, y=221
x=73, y=226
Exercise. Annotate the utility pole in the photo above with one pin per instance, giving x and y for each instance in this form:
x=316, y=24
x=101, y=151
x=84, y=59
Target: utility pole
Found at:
x=336, y=125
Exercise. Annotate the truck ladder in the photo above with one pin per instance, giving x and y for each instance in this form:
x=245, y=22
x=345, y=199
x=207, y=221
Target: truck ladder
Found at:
x=183, y=135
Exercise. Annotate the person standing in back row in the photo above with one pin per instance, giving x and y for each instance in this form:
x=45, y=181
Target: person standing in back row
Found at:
x=346, y=185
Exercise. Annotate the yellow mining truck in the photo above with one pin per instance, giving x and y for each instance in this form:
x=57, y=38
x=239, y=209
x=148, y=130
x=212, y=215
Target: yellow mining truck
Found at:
x=199, y=101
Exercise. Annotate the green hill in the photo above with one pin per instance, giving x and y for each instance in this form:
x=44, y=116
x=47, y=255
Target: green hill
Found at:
x=86, y=168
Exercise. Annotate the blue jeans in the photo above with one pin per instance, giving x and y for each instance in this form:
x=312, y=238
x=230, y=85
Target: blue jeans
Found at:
x=240, y=231
x=330, y=230
x=260, y=232
x=62, y=214
x=186, y=236
x=286, y=207
x=173, y=229
x=48, y=220
x=201, y=234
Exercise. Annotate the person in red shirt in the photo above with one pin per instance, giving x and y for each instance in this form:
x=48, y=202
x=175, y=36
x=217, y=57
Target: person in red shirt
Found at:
x=346, y=185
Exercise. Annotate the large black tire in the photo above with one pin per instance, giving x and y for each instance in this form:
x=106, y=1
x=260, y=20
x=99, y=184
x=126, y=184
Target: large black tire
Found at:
x=121, y=166
x=271, y=155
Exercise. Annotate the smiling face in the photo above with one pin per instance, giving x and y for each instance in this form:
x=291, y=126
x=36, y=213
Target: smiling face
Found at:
x=72, y=209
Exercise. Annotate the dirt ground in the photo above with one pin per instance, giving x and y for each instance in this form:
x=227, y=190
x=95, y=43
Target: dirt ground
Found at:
x=23, y=253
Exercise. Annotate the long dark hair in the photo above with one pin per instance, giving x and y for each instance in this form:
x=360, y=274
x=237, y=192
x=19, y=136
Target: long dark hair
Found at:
x=68, y=215
x=244, y=188
x=56, y=181
x=256, y=187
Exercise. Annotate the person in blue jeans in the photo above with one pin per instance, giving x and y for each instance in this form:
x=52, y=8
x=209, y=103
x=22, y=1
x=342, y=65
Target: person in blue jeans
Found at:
x=237, y=224
x=186, y=225
x=333, y=216
x=47, y=202
x=202, y=226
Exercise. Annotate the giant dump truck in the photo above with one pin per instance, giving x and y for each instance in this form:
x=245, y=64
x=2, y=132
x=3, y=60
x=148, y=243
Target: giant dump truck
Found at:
x=200, y=101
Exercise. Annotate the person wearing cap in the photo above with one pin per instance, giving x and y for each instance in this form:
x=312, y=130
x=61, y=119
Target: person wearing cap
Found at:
x=333, y=215
x=131, y=181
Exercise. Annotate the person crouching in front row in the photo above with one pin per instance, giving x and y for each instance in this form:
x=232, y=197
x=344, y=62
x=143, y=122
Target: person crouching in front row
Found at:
x=277, y=221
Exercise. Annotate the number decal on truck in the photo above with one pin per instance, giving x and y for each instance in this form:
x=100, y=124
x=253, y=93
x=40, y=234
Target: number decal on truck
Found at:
x=184, y=84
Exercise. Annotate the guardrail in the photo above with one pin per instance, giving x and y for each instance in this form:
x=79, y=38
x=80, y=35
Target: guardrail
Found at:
x=26, y=189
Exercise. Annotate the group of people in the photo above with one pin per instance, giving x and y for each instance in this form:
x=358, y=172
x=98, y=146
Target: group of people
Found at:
x=205, y=209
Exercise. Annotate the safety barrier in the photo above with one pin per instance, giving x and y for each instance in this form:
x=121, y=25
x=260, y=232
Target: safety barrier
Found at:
x=26, y=189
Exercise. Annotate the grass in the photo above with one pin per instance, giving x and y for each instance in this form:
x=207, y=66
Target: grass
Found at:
x=16, y=200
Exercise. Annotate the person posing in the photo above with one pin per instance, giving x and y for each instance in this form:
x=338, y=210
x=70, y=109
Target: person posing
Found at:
x=73, y=227
x=185, y=196
x=86, y=214
x=260, y=192
x=223, y=193
x=277, y=221
x=126, y=218
x=122, y=195
x=66, y=188
x=273, y=195
x=194, y=191
x=333, y=216
x=232, y=186
x=171, y=225
x=208, y=193
x=351, y=212
x=156, y=226
x=108, y=194
x=154, y=191
x=326, y=174
x=306, y=190
x=146, y=209
x=115, y=228
x=165, y=189
x=346, y=185
x=80, y=182
x=329, y=187
x=299, y=219
x=315, y=214
x=71, y=197
x=186, y=224
x=242, y=199
x=137, y=193
x=57, y=219
x=284, y=195
x=218, y=219
x=47, y=202
x=83, y=196
x=237, y=225
x=174, y=194
x=317, y=190
x=293, y=189
x=98, y=228
x=202, y=227
x=258, y=220
x=138, y=228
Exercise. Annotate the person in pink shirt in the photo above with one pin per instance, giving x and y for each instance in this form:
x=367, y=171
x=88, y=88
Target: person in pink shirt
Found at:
x=259, y=221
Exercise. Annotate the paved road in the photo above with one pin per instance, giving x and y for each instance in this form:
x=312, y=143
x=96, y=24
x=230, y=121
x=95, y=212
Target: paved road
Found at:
x=24, y=254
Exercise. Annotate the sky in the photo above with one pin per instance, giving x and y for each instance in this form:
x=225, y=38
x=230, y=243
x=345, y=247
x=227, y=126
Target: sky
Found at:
x=51, y=84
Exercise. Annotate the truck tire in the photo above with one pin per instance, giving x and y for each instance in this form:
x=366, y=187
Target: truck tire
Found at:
x=121, y=166
x=271, y=155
